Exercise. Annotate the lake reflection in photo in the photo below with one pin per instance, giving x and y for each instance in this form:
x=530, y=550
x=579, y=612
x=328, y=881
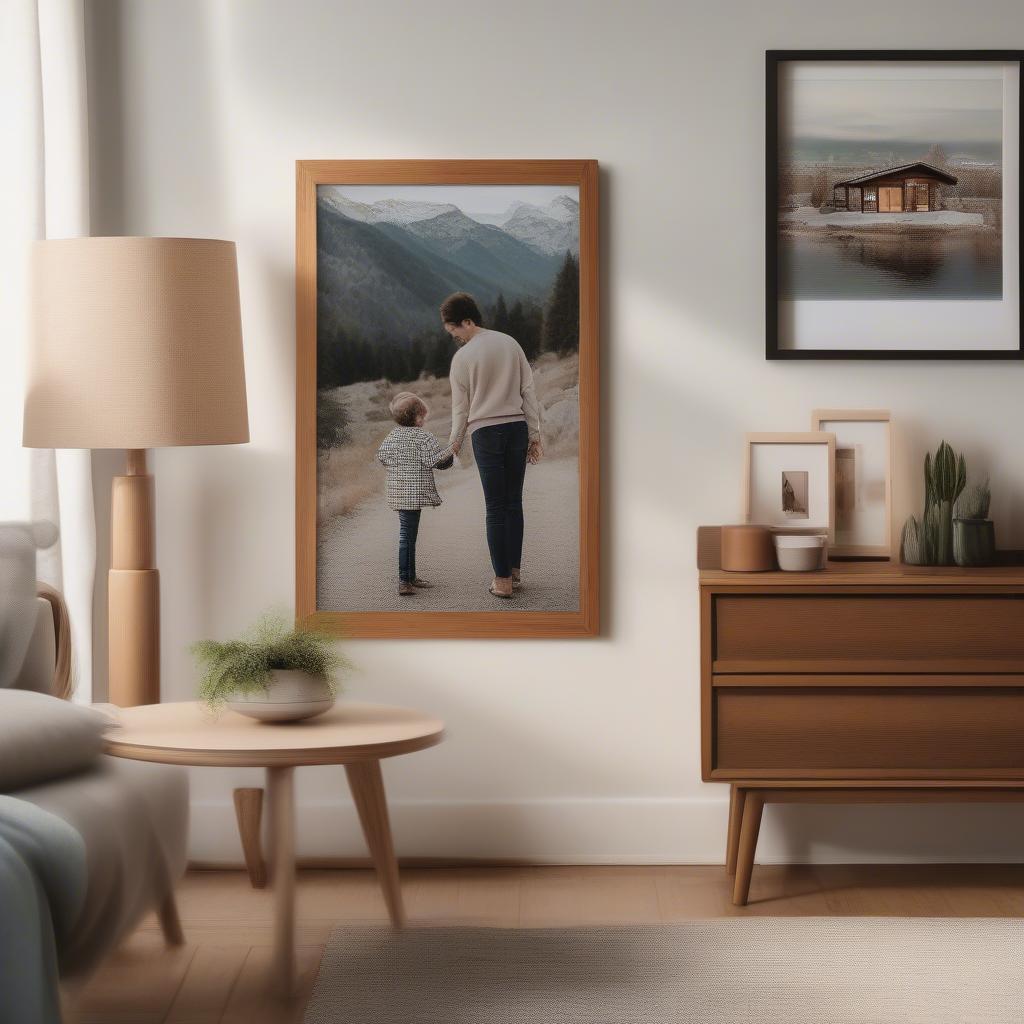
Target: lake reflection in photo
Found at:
x=924, y=264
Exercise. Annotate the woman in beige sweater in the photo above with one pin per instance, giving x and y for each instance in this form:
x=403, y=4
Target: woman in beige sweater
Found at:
x=493, y=397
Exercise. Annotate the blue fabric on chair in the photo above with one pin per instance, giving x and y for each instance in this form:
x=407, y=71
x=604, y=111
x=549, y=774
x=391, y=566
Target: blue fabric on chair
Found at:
x=43, y=881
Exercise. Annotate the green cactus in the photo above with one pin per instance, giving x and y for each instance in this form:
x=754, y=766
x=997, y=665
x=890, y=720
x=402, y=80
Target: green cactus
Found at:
x=930, y=541
x=973, y=503
x=911, y=542
x=949, y=477
x=949, y=474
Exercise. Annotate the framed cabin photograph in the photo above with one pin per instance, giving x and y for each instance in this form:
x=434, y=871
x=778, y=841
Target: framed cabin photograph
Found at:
x=893, y=207
x=447, y=397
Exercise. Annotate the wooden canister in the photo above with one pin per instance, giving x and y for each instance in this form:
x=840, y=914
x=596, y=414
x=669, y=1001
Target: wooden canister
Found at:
x=747, y=549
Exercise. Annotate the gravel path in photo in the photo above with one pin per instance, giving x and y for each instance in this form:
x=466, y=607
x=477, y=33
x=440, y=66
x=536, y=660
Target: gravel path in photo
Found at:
x=358, y=552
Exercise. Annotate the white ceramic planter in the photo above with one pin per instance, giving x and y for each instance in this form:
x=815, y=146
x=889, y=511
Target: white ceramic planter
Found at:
x=799, y=552
x=290, y=696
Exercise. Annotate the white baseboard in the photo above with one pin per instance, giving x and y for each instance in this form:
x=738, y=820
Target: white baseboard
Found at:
x=640, y=831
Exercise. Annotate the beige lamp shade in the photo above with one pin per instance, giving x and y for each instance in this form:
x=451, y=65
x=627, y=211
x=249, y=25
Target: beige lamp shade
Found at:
x=137, y=343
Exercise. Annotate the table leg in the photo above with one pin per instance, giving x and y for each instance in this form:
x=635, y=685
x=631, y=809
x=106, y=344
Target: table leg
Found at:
x=751, y=825
x=249, y=812
x=170, y=922
x=367, y=785
x=281, y=797
x=737, y=796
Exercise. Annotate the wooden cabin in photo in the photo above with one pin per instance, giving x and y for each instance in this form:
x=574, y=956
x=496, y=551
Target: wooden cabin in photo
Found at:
x=908, y=188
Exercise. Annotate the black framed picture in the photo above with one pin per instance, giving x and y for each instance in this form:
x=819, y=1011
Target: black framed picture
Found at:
x=893, y=212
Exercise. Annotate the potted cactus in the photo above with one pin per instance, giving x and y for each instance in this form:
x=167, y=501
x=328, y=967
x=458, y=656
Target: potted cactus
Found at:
x=974, y=534
x=930, y=541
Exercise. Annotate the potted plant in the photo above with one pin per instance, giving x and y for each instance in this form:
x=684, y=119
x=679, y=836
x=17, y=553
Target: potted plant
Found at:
x=277, y=673
x=930, y=541
x=974, y=534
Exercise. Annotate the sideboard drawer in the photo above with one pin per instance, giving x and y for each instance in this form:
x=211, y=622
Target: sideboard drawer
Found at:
x=864, y=728
x=853, y=628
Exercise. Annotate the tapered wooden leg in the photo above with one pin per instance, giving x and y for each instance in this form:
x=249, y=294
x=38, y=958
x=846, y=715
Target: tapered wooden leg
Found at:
x=367, y=785
x=281, y=797
x=737, y=797
x=249, y=812
x=70, y=997
x=753, y=804
x=170, y=922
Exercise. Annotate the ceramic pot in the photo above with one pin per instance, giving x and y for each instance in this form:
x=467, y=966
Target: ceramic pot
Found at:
x=747, y=549
x=290, y=695
x=800, y=552
x=974, y=541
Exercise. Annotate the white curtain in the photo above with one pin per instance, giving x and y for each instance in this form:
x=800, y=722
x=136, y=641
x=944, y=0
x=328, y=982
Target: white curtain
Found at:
x=44, y=193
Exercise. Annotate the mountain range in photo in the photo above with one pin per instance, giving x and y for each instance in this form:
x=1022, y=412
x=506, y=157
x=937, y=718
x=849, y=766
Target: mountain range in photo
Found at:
x=384, y=267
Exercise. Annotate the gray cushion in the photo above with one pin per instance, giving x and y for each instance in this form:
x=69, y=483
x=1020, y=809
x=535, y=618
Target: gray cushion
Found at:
x=43, y=737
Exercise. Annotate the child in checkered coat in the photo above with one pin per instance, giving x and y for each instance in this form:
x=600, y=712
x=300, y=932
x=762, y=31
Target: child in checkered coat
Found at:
x=411, y=454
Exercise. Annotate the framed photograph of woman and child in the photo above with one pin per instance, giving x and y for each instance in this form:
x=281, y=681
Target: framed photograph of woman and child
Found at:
x=447, y=397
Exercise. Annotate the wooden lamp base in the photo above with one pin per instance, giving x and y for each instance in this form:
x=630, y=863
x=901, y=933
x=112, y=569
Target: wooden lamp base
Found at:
x=133, y=601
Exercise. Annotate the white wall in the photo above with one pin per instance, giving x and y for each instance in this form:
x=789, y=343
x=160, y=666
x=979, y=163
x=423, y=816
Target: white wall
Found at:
x=571, y=750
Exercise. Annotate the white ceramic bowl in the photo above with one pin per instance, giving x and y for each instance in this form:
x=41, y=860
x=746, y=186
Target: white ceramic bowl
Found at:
x=799, y=552
x=289, y=696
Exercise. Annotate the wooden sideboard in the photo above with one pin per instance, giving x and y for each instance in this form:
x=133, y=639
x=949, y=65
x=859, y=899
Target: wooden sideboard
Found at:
x=864, y=682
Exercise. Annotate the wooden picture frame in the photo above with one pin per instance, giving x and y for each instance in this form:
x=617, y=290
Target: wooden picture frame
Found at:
x=947, y=323
x=831, y=421
x=504, y=621
x=824, y=522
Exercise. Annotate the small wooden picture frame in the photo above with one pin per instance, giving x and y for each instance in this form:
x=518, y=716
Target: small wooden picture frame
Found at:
x=863, y=481
x=789, y=482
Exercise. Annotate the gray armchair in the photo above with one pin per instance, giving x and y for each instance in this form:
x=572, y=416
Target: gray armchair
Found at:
x=47, y=664
x=106, y=837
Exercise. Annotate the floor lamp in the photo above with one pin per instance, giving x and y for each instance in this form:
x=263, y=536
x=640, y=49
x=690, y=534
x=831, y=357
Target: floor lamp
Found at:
x=136, y=344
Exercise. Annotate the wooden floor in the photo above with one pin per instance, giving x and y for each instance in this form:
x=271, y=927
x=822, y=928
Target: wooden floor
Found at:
x=219, y=975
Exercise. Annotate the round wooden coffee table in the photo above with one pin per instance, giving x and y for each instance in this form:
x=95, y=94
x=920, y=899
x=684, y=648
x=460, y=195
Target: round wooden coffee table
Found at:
x=355, y=735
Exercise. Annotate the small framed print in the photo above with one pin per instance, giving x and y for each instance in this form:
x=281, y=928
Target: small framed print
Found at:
x=863, y=480
x=789, y=482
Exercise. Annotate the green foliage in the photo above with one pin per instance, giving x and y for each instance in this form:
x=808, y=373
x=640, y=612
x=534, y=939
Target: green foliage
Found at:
x=244, y=666
x=974, y=502
x=526, y=324
x=500, y=318
x=344, y=357
x=945, y=479
x=562, y=316
x=912, y=543
x=332, y=420
x=930, y=541
x=947, y=476
x=417, y=358
x=439, y=360
x=395, y=363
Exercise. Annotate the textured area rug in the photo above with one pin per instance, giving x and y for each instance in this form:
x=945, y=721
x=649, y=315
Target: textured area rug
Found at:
x=786, y=970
